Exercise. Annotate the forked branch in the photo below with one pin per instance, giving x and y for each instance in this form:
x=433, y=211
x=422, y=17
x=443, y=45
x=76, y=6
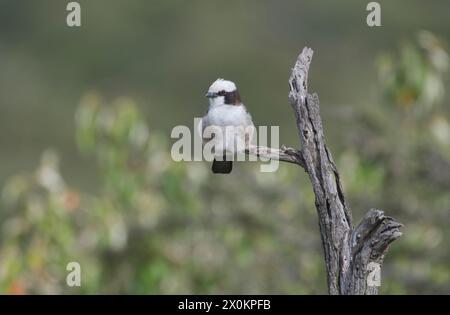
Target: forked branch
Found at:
x=349, y=252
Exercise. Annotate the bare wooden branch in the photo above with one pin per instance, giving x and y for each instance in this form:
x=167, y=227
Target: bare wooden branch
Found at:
x=369, y=243
x=348, y=251
x=284, y=154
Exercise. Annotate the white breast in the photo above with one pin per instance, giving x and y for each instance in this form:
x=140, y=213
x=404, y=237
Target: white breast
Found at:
x=227, y=115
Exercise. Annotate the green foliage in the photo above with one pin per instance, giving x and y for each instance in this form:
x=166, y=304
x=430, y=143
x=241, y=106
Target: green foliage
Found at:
x=402, y=164
x=153, y=225
x=414, y=77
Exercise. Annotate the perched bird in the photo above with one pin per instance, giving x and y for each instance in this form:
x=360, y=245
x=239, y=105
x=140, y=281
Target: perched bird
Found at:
x=226, y=110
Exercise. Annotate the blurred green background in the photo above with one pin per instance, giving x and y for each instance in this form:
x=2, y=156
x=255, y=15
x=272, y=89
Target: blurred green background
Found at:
x=85, y=121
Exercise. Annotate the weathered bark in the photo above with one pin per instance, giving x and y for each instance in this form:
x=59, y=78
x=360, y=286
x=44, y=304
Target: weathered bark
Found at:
x=348, y=251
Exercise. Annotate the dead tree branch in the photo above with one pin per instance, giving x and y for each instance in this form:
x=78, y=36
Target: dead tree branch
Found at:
x=348, y=251
x=284, y=154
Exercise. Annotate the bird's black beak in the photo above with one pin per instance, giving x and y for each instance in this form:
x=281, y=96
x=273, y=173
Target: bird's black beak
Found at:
x=210, y=95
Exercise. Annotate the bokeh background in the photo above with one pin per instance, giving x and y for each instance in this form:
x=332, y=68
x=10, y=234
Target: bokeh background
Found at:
x=85, y=121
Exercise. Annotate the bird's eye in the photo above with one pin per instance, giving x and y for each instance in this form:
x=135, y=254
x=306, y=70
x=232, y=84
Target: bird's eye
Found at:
x=221, y=93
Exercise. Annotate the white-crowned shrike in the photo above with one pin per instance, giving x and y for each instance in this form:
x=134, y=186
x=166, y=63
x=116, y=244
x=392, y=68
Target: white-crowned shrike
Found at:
x=228, y=116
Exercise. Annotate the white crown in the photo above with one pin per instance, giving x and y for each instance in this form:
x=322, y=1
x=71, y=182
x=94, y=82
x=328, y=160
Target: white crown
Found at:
x=222, y=85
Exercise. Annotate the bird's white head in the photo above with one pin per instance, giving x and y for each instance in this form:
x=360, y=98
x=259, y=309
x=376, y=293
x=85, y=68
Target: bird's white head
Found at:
x=223, y=92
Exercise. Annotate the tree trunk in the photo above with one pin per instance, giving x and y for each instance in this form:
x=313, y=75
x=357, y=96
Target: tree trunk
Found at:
x=352, y=255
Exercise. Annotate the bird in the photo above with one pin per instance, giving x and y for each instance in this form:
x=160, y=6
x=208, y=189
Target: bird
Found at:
x=226, y=110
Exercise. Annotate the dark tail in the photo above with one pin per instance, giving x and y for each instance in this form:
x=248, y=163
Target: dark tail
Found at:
x=222, y=167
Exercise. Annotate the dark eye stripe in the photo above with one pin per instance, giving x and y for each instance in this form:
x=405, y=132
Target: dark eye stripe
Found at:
x=232, y=98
